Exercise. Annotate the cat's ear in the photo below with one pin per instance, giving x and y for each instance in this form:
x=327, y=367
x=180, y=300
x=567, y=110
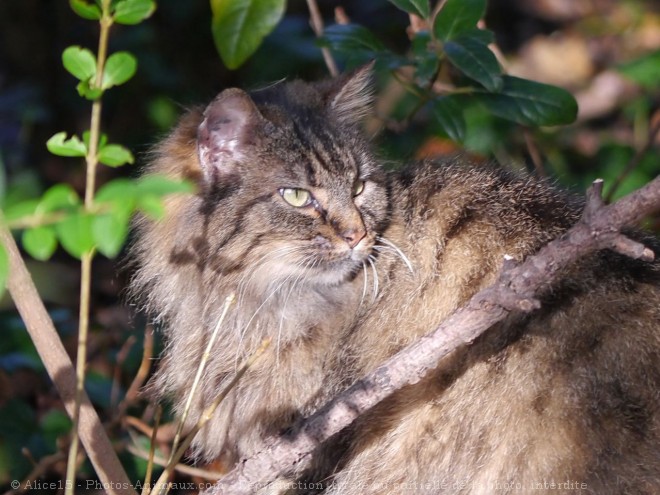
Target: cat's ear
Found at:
x=229, y=127
x=353, y=96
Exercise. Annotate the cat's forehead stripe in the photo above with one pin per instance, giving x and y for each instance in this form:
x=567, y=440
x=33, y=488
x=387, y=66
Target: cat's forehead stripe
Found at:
x=324, y=150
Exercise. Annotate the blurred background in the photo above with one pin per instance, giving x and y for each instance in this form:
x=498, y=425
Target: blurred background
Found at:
x=606, y=52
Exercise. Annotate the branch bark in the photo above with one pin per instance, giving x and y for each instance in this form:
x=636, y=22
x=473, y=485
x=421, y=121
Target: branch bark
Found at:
x=317, y=25
x=515, y=289
x=61, y=370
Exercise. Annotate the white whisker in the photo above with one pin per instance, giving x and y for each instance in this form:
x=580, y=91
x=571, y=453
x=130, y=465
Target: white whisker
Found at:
x=397, y=250
x=364, y=285
x=299, y=280
x=279, y=253
x=373, y=268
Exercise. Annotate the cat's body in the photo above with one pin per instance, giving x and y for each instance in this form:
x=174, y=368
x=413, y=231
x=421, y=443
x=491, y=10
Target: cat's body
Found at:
x=296, y=218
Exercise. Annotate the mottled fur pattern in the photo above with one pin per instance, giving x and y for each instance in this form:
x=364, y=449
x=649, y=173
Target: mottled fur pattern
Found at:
x=570, y=393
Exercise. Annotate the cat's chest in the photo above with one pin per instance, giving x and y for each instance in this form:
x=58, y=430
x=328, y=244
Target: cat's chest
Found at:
x=290, y=317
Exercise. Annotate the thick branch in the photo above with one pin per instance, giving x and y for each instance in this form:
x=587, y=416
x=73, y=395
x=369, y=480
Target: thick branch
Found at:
x=61, y=370
x=515, y=289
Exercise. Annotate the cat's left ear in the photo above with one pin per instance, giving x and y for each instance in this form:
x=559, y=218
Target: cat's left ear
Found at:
x=353, y=95
x=231, y=124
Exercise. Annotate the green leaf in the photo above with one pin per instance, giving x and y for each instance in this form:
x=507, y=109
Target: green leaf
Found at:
x=80, y=62
x=426, y=59
x=58, y=197
x=4, y=268
x=457, y=17
x=530, y=103
x=350, y=38
x=59, y=145
x=85, y=9
x=476, y=61
x=239, y=27
x=75, y=234
x=159, y=185
x=21, y=209
x=115, y=155
x=484, y=36
x=448, y=111
x=119, y=68
x=645, y=70
x=86, y=91
x=121, y=190
x=152, y=206
x=419, y=7
x=110, y=230
x=133, y=11
x=40, y=242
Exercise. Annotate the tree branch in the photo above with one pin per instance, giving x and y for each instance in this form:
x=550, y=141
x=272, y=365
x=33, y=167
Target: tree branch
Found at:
x=317, y=25
x=61, y=370
x=515, y=289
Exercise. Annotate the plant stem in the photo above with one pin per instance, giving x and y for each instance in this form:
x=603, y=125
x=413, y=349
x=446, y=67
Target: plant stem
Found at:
x=86, y=259
x=180, y=450
x=317, y=25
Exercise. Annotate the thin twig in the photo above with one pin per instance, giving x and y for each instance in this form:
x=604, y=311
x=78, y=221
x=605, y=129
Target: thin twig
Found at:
x=317, y=25
x=140, y=376
x=152, y=450
x=200, y=369
x=122, y=354
x=206, y=416
x=191, y=394
x=180, y=468
x=534, y=153
x=40, y=468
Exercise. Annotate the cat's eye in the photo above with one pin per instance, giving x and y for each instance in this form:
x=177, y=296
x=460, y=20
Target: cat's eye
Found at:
x=296, y=197
x=358, y=187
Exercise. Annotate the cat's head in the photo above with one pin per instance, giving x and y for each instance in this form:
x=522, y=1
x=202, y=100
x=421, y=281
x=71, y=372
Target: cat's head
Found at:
x=289, y=183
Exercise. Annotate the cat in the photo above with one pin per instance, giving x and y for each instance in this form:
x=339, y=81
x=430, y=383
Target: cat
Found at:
x=342, y=264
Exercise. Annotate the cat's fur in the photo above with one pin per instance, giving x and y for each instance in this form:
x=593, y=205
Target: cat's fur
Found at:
x=568, y=394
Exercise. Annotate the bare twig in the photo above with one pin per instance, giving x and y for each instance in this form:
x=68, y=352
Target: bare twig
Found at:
x=534, y=153
x=141, y=375
x=206, y=416
x=122, y=354
x=180, y=468
x=60, y=369
x=200, y=371
x=40, y=468
x=317, y=25
x=516, y=288
x=152, y=450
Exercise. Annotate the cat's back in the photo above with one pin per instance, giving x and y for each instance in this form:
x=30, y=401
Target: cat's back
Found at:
x=569, y=394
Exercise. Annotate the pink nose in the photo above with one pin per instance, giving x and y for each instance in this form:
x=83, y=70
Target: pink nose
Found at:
x=353, y=236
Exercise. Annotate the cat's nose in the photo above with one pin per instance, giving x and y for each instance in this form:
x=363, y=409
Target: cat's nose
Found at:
x=353, y=236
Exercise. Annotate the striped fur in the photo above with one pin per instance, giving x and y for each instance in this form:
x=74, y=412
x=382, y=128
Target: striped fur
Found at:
x=569, y=394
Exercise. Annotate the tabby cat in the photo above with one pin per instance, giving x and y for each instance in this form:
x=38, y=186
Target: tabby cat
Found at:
x=342, y=264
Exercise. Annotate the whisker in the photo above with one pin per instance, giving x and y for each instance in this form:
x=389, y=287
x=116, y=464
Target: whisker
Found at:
x=299, y=280
x=246, y=280
x=398, y=251
x=243, y=331
x=373, y=268
x=364, y=285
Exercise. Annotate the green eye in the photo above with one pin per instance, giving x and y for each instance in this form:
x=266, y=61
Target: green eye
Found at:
x=296, y=197
x=358, y=187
